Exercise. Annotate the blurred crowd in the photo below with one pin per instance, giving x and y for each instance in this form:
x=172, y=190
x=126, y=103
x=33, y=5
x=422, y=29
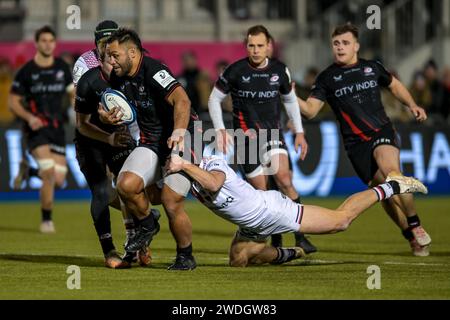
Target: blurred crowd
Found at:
x=430, y=87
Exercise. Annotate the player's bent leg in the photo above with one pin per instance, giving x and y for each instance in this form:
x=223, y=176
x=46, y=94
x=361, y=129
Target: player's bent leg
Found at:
x=419, y=239
x=388, y=160
x=245, y=252
x=392, y=208
x=394, y=212
x=130, y=187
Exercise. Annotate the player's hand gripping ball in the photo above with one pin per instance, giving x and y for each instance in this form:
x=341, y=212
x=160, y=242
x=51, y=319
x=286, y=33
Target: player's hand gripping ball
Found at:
x=112, y=98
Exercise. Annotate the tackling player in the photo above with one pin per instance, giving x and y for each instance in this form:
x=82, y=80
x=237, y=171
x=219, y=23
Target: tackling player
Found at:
x=256, y=84
x=36, y=97
x=219, y=188
x=352, y=88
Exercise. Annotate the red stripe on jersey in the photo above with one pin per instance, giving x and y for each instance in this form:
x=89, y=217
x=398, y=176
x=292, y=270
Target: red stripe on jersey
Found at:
x=242, y=123
x=370, y=126
x=354, y=128
x=33, y=107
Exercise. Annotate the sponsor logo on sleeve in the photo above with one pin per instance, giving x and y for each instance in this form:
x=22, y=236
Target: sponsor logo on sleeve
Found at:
x=163, y=78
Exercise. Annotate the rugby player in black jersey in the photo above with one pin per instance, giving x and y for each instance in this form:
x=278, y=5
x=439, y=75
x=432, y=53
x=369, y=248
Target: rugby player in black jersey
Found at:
x=99, y=146
x=352, y=88
x=256, y=84
x=163, y=115
x=36, y=97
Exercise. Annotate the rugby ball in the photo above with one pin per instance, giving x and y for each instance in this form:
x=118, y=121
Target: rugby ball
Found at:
x=112, y=98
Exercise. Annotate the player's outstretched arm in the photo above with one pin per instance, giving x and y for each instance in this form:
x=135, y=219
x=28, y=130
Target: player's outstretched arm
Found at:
x=311, y=107
x=210, y=181
x=402, y=94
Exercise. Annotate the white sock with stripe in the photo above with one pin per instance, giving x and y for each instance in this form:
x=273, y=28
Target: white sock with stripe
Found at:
x=384, y=191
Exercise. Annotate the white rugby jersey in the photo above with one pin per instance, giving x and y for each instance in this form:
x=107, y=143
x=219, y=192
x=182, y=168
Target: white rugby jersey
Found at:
x=86, y=61
x=237, y=201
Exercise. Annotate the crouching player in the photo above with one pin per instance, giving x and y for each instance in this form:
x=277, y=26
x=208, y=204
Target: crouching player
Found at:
x=218, y=187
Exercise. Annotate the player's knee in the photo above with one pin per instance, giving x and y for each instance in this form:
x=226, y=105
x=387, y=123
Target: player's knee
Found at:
x=128, y=185
x=46, y=169
x=342, y=223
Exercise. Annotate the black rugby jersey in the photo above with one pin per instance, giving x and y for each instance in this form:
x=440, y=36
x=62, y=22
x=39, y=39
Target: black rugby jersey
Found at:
x=148, y=89
x=354, y=94
x=255, y=93
x=90, y=89
x=44, y=90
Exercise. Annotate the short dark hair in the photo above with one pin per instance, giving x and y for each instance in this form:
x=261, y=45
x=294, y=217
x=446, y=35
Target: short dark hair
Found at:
x=123, y=35
x=255, y=30
x=44, y=29
x=344, y=28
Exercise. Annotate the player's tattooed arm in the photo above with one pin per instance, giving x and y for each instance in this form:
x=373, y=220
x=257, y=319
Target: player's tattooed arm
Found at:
x=209, y=180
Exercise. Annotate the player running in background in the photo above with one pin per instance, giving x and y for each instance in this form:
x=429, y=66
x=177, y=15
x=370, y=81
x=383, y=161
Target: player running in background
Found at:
x=256, y=84
x=163, y=114
x=352, y=88
x=36, y=97
x=219, y=188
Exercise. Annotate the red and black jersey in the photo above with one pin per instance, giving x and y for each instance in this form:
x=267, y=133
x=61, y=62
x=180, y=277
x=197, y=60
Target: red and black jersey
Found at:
x=255, y=93
x=354, y=94
x=43, y=90
x=148, y=90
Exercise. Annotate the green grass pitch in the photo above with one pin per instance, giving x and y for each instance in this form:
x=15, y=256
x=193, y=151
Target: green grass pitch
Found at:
x=33, y=265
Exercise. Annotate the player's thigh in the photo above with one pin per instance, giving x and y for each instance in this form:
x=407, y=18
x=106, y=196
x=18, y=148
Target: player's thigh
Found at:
x=387, y=158
x=318, y=220
x=42, y=152
x=142, y=164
